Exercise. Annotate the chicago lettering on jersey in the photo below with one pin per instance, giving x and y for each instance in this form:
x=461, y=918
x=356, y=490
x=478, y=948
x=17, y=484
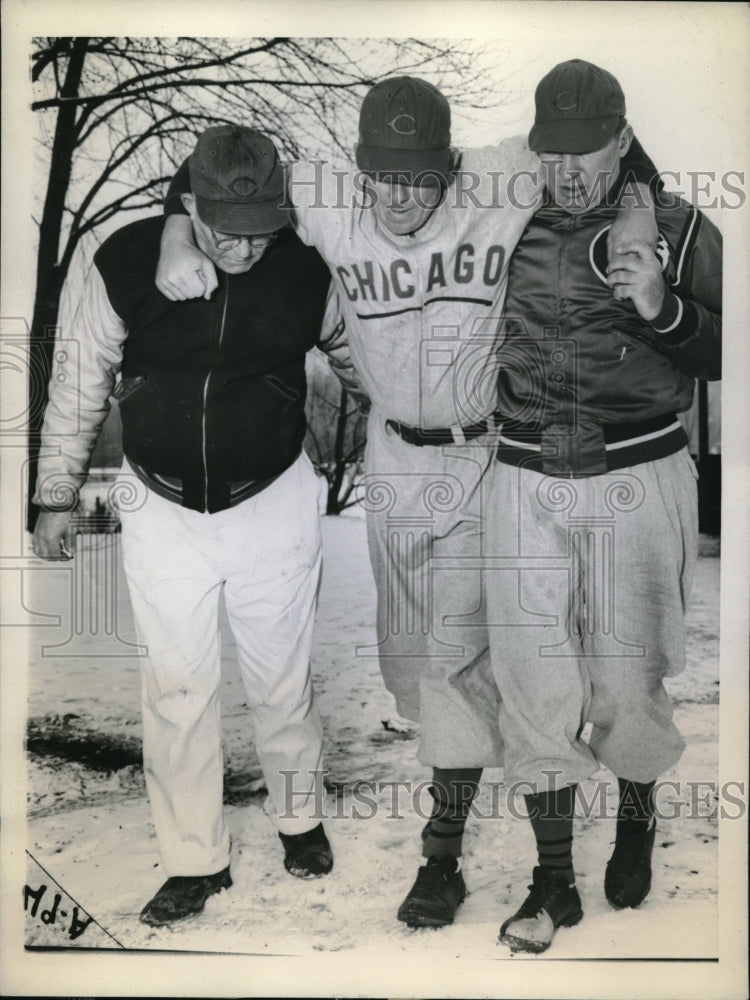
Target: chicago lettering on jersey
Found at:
x=370, y=281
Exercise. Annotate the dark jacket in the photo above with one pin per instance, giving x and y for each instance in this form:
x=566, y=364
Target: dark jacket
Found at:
x=586, y=385
x=212, y=392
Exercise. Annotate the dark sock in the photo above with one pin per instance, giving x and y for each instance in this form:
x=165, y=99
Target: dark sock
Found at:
x=636, y=805
x=551, y=815
x=453, y=790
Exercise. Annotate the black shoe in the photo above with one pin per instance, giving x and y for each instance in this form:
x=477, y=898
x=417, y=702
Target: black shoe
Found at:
x=627, y=880
x=551, y=903
x=307, y=855
x=435, y=896
x=183, y=896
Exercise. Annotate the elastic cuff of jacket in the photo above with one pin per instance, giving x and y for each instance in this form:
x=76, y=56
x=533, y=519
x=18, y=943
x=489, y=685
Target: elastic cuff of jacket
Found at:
x=676, y=322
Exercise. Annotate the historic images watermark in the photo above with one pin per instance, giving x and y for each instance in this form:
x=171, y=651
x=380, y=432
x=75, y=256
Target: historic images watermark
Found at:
x=396, y=799
x=493, y=189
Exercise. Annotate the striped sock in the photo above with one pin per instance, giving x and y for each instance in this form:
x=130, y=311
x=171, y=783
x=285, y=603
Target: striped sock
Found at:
x=551, y=815
x=453, y=790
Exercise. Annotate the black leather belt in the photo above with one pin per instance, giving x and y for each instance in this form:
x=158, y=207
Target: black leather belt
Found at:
x=441, y=435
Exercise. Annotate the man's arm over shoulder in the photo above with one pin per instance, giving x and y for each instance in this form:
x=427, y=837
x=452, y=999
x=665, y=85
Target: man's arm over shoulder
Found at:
x=637, y=188
x=318, y=196
x=322, y=197
x=505, y=174
x=184, y=271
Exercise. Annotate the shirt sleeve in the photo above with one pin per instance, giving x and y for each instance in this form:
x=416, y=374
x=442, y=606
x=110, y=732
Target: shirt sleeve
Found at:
x=82, y=380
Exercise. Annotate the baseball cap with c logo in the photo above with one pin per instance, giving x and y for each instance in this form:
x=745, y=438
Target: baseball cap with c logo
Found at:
x=405, y=129
x=578, y=108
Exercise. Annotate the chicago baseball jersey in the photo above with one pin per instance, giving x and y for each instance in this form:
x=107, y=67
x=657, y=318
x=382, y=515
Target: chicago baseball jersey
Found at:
x=422, y=310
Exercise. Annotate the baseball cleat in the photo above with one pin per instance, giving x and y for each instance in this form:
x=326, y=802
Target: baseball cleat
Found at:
x=438, y=891
x=551, y=903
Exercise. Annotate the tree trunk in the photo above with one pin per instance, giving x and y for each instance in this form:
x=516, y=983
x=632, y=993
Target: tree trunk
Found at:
x=50, y=275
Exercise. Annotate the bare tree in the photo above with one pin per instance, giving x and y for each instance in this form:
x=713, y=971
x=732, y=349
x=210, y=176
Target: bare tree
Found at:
x=336, y=434
x=118, y=114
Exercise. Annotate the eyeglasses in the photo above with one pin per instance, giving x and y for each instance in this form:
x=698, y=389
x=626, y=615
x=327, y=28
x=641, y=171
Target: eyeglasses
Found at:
x=224, y=241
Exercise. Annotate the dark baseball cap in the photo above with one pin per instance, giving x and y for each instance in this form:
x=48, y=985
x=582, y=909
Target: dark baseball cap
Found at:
x=578, y=107
x=238, y=181
x=405, y=129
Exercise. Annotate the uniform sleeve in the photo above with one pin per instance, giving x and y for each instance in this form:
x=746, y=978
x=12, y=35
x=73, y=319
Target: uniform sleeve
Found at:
x=507, y=173
x=333, y=342
x=688, y=327
x=322, y=198
x=82, y=380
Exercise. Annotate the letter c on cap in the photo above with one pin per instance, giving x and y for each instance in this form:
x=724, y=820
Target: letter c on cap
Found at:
x=566, y=100
x=243, y=187
x=403, y=124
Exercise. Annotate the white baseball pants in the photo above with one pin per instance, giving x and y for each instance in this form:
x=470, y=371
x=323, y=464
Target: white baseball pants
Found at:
x=265, y=554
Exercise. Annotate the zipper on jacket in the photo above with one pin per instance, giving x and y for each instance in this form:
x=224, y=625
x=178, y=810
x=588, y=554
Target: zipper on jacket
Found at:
x=205, y=399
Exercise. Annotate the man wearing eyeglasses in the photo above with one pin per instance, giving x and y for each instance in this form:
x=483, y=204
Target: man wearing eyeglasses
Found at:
x=212, y=400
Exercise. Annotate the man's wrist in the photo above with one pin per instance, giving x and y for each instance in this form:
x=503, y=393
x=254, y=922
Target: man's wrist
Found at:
x=58, y=497
x=177, y=228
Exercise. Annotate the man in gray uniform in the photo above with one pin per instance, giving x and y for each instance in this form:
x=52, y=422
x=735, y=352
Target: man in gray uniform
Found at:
x=594, y=514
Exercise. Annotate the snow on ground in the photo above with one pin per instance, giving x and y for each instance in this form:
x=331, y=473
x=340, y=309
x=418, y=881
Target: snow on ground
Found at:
x=92, y=832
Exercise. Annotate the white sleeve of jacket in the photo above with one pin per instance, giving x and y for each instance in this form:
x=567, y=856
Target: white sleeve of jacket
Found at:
x=83, y=377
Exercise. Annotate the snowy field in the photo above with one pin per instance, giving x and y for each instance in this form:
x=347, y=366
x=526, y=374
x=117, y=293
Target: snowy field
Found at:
x=90, y=830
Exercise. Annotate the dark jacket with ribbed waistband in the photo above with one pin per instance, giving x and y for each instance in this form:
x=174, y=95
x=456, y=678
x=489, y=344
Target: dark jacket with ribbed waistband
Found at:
x=213, y=392
x=585, y=384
